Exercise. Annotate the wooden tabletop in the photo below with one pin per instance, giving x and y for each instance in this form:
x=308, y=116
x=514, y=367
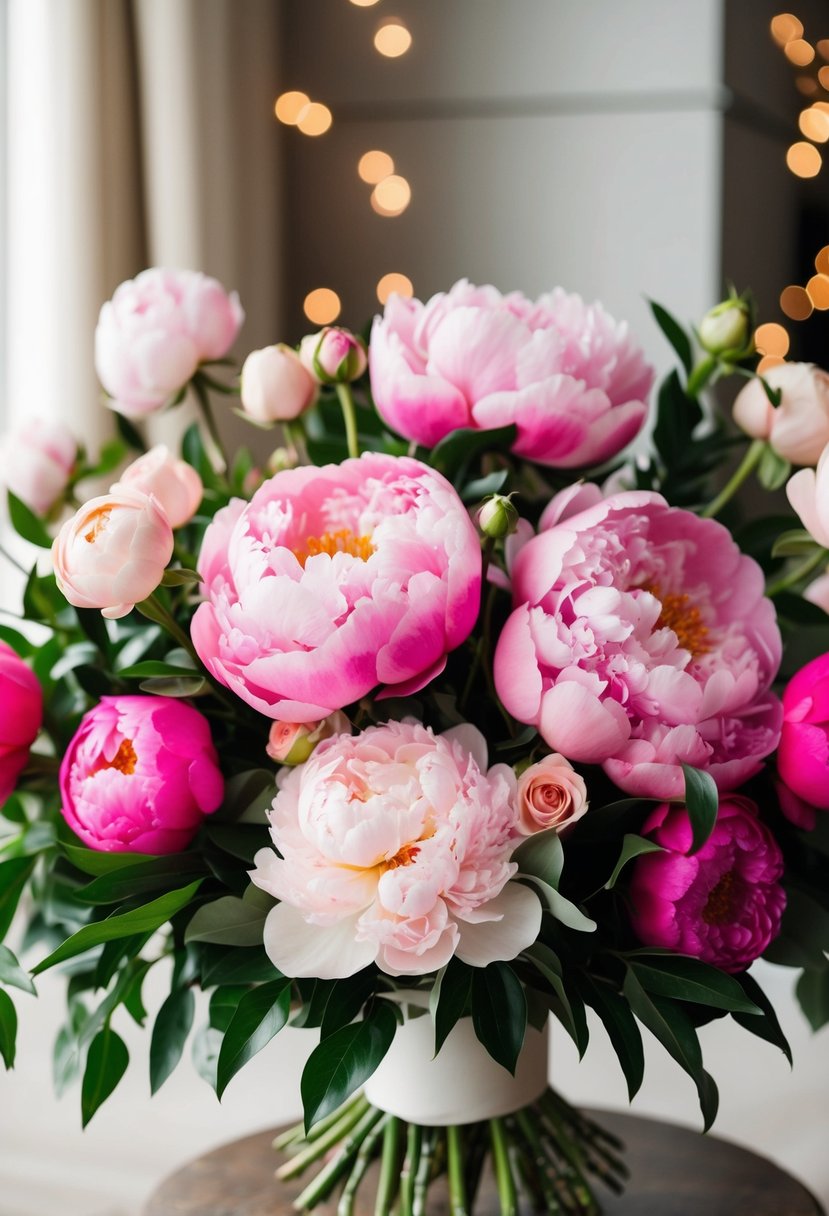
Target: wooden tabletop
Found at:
x=674, y=1172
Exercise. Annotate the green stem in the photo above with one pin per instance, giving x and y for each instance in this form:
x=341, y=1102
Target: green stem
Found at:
x=349, y=418
x=507, y=1194
x=410, y=1167
x=362, y=1161
x=389, y=1179
x=749, y=463
x=329, y=1176
x=424, y=1171
x=219, y=455
x=457, y=1183
x=156, y=610
x=317, y=1148
x=700, y=376
x=800, y=572
x=14, y=562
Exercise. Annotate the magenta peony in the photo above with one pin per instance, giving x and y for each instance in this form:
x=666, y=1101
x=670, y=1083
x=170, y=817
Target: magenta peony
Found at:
x=333, y=580
x=139, y=775
x=565, y=373
x=175, y=484
x=21, y=713
x=156, y=330
x=36, y=462
x=394, y=847
x=722, y=905
x=641, y=639
x=803, y=756
x=798, y=428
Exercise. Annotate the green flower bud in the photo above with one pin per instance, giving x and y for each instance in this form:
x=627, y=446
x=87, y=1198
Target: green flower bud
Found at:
x=497, y=517
x=725, y=330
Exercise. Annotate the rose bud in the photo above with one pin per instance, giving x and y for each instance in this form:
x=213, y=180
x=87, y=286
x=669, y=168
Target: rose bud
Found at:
x=173, y=483
x=497, y=517
x=112, y=553
x=21, y=713
x=725, y=330
x=551, y=794
x=334, y=355
x=798, y=428
x=276, y=386
x=36, y=461
x=293, y=742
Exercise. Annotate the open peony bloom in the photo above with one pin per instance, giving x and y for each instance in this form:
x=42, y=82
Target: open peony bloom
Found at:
x=808, y=493
x=394, y=847
x=798, y=428
x=803, y=756
x=641, y=639
x=36, y=462
x=139, y=775
x=112, y=553
x=333, y=580
x=21, y=713
x=724, y=904
x=156, y=330
x=565, y=373
x=175, y=484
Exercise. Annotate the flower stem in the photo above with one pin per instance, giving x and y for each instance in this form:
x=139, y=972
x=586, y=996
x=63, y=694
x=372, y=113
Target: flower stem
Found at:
x=155, y=610
x=322, y=1186
x=362, y=1161
x=410, y=1168
x=423, y=1175
x=218, y=454
x=507, y=1194
x=389, y=1168
x=700, y=376
x=800, y=572
x=317, y=1148
x=349, y=418
x=749, y=463
x=457, y=1183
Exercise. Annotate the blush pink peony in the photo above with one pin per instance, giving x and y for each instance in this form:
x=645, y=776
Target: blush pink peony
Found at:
x=808, y=493
x=139, y=775
x=565, y=373
x=175, y=484
x=722, y=905
x=333, y=580
x=394, y=847
x=803, y=756
x=641, y=638
x=798, y=428
x=36, y=462
x=21, y=713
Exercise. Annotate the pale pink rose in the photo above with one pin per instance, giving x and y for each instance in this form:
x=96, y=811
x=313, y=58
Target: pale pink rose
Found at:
x=113, y=551
x=551, y=794
x=565, y=373
x=334, y=355
x=156, y=330
x=333, y=580
x=394, y=847
x=641, y=639
x=21, y=713
x=293, y=742
x=276, y=387
x=808, y=492
x=36, y=462
x=139, y=775
x=798, y=428
x=174, y=484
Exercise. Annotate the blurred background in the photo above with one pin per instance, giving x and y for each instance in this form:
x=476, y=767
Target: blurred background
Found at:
x=315, y=155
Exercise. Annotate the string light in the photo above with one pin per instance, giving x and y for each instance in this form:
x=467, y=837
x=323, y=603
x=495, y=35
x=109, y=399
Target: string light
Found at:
x=394, y=284
x=315, y=120
x=804, y=160
x=771, y=339
x=392, y=39
x=290, y=107
x=374, y=166
x=814, y=123
x=322, y=306
x=391, y=196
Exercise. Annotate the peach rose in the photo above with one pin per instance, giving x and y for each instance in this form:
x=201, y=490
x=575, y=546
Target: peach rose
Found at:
x=551, y=794
x=798, y=428
x=174, y=483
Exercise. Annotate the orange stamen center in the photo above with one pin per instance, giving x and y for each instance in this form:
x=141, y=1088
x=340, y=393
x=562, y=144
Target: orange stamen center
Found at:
x=125, y=759
x=403, y=857
x=341, y=541
x=719, y=908
x=684, y=618
x=97, y=522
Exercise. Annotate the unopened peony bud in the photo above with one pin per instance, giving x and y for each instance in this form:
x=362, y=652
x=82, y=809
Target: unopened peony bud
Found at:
x=276, y=386
x=334, y=355
x=174, y=483
x=726, y=329
x=293, y=742
x=497, y=517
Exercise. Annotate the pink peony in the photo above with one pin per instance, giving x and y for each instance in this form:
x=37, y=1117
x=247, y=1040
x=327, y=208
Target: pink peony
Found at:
x=551, y=794
x=394, y=847
x=139, y=775
x=803, y=757
x=175, y=484
x=21, y=713
x=275, y=386
x=808, y=493
x=333, y=580
x=798, y=428
x=641, y=638
x=36, y=461
x=156, y=330
x=724, y=904
x=568, y=375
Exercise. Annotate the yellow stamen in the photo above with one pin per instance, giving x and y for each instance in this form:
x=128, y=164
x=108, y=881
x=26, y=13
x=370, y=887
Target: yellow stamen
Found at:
x=684, y=618
x=125, y=759
x=341, y=541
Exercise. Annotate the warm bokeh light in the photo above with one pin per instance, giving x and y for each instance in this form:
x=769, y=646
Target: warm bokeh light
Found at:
x=289, y=108
x=771, y=339
x=364, y=3
x=785, y=27
x=795, y=303
x=823, y=77
x=822, y=260
x=818, y=289
x=316, y=120
x=806, y=85
x=768, y=362
x=799, y=52
x=823, y=48
x=804, y=160
x=392, y=39
x=814, y=123
x=374, y=166
x=322, y=306
x=391, y=196
x=394, y=284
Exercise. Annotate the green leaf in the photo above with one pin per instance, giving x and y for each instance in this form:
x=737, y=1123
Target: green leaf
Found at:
x=702, y=803
x=548, y=964
x=765, y=1024
x=229, y=921
x=499, y=1013
x=632, y=846
x=248, y=796
x=345, y=1061
x=140, y=920
x=129, y=434
x=346, y=1000
x=180, y=577
x=27, y=524
x=675, y=334
x=14, y=874
x=463, y=445
x=239, y=840
x=541, y=856
x=172, y=1026
x=677, y=416
x=127, y=882
x=795, y=543
x=483, y=486
x=621, y=1027
x=207, y=1043
x=688, y=979
x=223, y=1004
x=773, y=471
x=563, y=910
x=105, y=1066
x=261, y=1014
x=8, y=1029
x=89, y=861
x=95, y=628
x=449, y=998
x=12, y=974
x=176, y=686
x=229, y=965
x=152, y=667
x=109, y=457
x=813, y=994
x=132, y=1000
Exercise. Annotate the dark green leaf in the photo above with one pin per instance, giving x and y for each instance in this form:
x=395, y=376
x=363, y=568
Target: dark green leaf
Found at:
x=152, y=667
x=813, y=994
x=239, y=840
x=345, y=1061
x=133, y=1001
x=128, y=882
x=314, y=996
x=765, y=1025
x=248, y=796
x=27, y=524
x=176, y=686
x=229, y=965
x=14, y=874
x=688, y=979
x=541, y=856
x=179, y=577
x=449, y=998
x=773, y=471
x=106, y=1064
x=109, y=457
x=562, y=909
x=796, y=543
x=95, y=628
x=12, y=974
x=677, y=417
x=90, y=861
x=675, y=334
x=632, y=846
x=548, y=964
x=172, y=1026
x=702, y=803
x=18, y=643
x=129, y=434
x=8, y=1029
x=482, y=486
x=793, y=607
x=223, y=1004
x=207, y=1043
x=621, y=1027
x=461, y=446
x=499, y=1013
x=228, y=921
x=261, y=1014
x=347, y=998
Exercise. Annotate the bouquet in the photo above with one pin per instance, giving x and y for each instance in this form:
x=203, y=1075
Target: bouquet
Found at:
x=446, y=719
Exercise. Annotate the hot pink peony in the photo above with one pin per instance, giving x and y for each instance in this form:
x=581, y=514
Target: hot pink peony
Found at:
x=156, y=330
x=394, y=847
x=641, y=638
x=36, y=462
x=139, y=775
x=803, y=757
x=722, y=905
x=21, y=713
x=333, y=580
x=568, y=375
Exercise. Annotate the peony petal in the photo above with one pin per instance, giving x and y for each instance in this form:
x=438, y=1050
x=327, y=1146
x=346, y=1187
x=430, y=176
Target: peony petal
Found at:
x=302, y=950
x=580, y=726
x=502, y=940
